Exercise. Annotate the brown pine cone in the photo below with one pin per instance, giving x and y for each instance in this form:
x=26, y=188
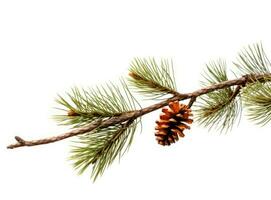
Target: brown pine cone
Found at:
x=173, y=121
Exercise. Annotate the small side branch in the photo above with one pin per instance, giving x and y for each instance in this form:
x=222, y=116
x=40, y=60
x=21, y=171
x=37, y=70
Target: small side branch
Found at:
x=192, y=101
x=236, y=92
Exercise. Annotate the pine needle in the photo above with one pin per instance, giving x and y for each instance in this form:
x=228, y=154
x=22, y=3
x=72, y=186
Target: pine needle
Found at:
x=219, y=109
x=101, y=147
x=257, y=101
x=253, y=60
x=90, y=104
x=152, y=78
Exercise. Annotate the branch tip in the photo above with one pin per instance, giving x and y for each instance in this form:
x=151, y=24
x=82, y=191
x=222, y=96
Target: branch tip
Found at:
x=19, y=139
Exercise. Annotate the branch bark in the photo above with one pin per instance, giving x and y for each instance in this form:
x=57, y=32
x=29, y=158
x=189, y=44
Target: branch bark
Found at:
x=239, y=82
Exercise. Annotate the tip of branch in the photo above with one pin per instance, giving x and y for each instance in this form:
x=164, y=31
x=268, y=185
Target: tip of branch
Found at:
x=19, y=139
x=21, y=142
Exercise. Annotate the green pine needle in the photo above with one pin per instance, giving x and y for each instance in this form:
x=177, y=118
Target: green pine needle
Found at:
x=217, y=109
x=253, y=60
x=90, y=104
x=101, y=147
x=152, y=78
x=215, y=72
x=257, y=101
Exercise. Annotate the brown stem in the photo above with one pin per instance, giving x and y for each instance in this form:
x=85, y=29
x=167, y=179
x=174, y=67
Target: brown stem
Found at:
x=236, y=92
x=138, y=113
x=192, y=100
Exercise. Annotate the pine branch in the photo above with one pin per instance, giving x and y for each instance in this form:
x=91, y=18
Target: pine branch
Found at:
x=105, y=118
x=138, y=113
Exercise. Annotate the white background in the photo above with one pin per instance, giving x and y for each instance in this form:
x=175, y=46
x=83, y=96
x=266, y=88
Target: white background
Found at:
x=46, y=47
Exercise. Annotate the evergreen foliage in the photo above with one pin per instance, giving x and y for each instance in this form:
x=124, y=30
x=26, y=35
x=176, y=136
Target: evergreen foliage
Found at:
x=253, y=60
x=257, y=101
x=98, y=103
x=218, y=109
x=152, y=78
x=101, y=146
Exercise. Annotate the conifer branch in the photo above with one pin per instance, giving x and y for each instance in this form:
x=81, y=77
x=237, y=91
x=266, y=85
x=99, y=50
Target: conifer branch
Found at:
x=250, y=78
x=218, y=109
x=105, y=118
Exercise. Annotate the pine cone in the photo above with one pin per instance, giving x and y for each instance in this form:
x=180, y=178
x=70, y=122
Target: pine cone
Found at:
x=173, y=121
